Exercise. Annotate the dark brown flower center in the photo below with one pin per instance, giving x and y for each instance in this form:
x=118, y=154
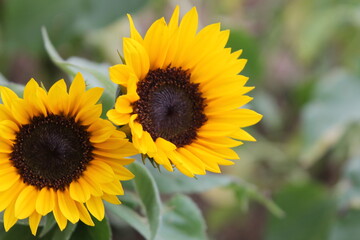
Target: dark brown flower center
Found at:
x=51, y=151
x=170, y=106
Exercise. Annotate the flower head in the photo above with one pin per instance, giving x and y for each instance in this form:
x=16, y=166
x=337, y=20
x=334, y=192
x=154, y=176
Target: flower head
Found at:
x=57, y=155
x=183, y=95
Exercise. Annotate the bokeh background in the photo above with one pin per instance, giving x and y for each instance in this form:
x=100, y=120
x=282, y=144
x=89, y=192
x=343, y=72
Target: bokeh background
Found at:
x=304, y=60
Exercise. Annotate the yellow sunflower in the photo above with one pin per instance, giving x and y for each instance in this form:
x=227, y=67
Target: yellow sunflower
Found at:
x=57, y=155
x=183, y=95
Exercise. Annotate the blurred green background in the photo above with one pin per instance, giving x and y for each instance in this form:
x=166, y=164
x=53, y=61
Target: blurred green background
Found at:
x=304, y=59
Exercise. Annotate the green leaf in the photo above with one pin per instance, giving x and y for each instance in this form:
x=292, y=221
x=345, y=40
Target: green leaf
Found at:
x=95, y=74
x=309, y=210
x=326, y=117
x=148, y=192
x=66, y=20
x=325, y=24
x=352, y=170
x=17, y=88
x=131, y=217
x=346, y=226
x=16, y=232
x=175, y=182
x=101, y=231
x=57, y=234
x=348, y=188
x=50, y=223
x=182, y=220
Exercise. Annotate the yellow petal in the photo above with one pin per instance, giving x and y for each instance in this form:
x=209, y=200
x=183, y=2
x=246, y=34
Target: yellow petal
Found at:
x=176, y=158
x=100, y=172
x=227, y=103
x=8, y=196
x=19, y=111
x=220, y=152
x=133, y=32
x=174, y=20
x=25, y=203
x=123, y=104
x=120, y=74
x=76, y=90
x=8, y=129
x=239, y=117
x=9, y=217
x=77, y=86
x=136, y=128
x=59, y=217
x=215, y=129
x=88, y=115
x=100, y=130
x=34, y=221
x=118, y=118
x=242, y=135
x=45, y=201
x=5, y=146
x=87, y=99
x=136, y=57
x=96, y=207
x=157, y=42
x=193, y=163
x=84, y=214
x=93, y=186
x=8, y=96
x=113, y=188
x=67, y=206
x=209, y=160
x=187, y=31
x=218, y=142
x=111, y=198
x=59, y=98
x=78, y=191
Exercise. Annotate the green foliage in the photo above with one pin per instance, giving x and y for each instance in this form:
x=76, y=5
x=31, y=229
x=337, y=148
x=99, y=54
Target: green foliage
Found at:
x=66, y=19
x=346, y=227
x=182, y=219
x=149, y=195
x=16, y=232
x=308, y=209
x=330, y=112
x=101, y=231
x=17, y=88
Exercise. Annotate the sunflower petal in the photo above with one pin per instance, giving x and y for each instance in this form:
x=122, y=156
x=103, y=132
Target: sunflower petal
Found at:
x=96, y=207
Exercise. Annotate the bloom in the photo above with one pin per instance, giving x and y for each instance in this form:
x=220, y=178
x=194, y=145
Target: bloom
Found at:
x=183, y=95
x=57, y=155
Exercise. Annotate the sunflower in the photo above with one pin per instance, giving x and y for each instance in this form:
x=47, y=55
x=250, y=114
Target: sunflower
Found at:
x=57, y=155
x=183, y=95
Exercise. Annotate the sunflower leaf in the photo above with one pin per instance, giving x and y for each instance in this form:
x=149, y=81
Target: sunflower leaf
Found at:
x=50, y=223
x=57, y=234
x=182, y=219
x=17, y=88
x=95, y=74
x=175, y=182
x=101, y=231
x=329, y=114
x=18, y=231
x=148, y=192
x=309, y=212
x=131, y=217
